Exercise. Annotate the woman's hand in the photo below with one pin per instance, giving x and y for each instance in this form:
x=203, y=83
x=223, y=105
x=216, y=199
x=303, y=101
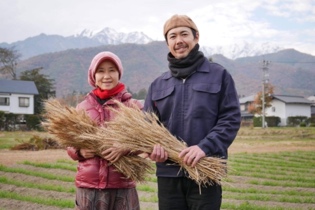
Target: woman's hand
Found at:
x=87, y=153
x=114, y=153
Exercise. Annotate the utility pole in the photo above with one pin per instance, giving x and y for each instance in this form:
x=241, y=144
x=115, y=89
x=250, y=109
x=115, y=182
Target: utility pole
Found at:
x=265, y=81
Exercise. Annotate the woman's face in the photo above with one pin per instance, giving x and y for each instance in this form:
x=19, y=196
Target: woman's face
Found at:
x=107, y=75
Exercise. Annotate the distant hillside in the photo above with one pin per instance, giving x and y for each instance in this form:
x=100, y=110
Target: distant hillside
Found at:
x=69, y=68
x=43, y=43
x=291, y=72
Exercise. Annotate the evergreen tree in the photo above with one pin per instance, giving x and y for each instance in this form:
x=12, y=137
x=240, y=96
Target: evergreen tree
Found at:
x=45, y=87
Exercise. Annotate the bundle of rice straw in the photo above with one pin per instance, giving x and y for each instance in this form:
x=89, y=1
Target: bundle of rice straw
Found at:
x=140, y=131
x=67, y=125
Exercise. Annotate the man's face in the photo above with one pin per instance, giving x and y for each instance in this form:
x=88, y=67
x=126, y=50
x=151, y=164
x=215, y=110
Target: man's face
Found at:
x=181, y=41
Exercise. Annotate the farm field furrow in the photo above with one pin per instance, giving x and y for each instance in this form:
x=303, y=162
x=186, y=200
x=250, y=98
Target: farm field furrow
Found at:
x=281, y=178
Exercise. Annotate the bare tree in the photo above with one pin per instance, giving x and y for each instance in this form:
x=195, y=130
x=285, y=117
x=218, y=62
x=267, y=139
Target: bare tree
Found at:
x=256, y=106
x=8, y=61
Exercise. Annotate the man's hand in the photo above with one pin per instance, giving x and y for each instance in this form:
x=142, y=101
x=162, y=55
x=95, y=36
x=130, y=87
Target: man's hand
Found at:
x=191, y=155
x=87, y=153
x=114, y=153
x=158, y=154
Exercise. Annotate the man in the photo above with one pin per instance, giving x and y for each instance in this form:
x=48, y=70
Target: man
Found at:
x=197, y=102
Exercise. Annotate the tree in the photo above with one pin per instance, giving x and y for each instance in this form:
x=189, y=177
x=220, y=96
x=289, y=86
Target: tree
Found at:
x=142, y=94
x=256, y=106
x=72, y=99
x=8, y=61
x=45, y=87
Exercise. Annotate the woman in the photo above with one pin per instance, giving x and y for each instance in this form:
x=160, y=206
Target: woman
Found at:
x=99, y=184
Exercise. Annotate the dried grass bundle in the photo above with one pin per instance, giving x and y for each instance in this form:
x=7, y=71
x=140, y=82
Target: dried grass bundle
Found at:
x=68, y=125
x=136, y=130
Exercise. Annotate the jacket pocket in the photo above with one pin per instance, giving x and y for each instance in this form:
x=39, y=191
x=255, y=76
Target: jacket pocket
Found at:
x=208, y=88
x=161, y=94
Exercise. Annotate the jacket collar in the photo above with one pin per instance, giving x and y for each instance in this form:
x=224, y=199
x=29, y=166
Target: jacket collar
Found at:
x=204, y=67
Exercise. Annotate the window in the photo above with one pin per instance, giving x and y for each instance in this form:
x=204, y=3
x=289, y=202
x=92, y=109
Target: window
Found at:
x=4, y=101
x=24, y=102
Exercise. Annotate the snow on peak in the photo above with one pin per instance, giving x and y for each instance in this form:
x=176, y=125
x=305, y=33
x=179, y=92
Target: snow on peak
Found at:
x=111, y=36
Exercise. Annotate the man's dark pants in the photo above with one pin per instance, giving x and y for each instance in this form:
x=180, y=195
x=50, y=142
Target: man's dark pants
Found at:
x=184, y=194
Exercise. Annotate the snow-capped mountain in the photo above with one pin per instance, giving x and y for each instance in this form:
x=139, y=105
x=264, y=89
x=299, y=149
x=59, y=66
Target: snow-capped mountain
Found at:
x=111, y=36
x=244, y=49
x=43, y=43
x=233, y=51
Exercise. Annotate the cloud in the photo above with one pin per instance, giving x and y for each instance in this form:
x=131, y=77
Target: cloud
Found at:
x=223, y=22
x=232, y=23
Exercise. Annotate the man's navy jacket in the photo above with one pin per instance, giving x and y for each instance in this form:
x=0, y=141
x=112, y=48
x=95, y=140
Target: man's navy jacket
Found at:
x=202, y=110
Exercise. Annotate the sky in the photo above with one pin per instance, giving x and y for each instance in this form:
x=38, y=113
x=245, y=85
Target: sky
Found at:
x=286, y=23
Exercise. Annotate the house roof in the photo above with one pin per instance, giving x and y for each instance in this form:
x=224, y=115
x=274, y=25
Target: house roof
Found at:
x=18, y=86
x=284, y=98
x=247, y=99
x=292, y=99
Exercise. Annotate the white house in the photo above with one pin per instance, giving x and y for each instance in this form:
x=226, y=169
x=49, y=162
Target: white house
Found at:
x=282, y=106
x=289, y=106
x=312, y=98
x=247, y=118
x=17, y=96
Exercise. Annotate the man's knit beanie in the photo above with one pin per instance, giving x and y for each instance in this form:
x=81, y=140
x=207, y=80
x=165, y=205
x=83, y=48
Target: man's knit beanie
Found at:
x=179, y=21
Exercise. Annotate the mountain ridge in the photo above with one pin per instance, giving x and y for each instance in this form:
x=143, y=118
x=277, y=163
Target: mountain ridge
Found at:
x=43, y=43
x=144, y=62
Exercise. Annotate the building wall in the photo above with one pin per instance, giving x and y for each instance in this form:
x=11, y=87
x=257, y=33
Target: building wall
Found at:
x=277, y=109
x=282, y=110
x=298, y=110
x=14, y=104
x=243, y=107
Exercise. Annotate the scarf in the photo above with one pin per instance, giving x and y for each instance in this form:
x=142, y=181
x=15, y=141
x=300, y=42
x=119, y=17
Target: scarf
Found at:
x=181, y=68
x=105, y=94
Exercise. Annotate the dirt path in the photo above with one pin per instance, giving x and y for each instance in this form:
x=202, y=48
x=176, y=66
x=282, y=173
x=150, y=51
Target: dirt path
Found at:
x=10, y=157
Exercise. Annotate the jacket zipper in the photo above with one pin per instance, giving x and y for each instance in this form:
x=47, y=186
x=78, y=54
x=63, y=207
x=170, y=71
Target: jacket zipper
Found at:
x=184, y=101
x=184, y=79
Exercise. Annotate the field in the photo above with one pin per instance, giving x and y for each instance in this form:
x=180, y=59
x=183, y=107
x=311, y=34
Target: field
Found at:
x=269, y=169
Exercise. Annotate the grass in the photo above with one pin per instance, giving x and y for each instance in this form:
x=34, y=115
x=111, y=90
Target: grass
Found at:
x=143, y=187
x=34, y=199
x=239, y=162
x=282, y=180
x=70, y=167
x=36, y=174
x=58, y=188
x=9, y=139
x=277, y=169
x=247, y=206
